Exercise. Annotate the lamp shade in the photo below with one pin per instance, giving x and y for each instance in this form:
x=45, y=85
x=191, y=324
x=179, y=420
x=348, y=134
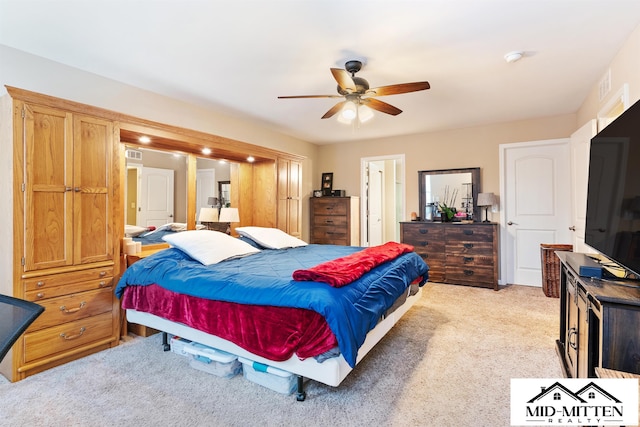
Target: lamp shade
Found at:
x=486, y=199
x=208, y=215
x=229, y=215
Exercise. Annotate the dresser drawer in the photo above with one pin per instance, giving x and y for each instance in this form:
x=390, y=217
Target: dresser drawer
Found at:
x=39, y=295
x=57, y=280
x=470, y=275
x=469, y=260
x=470, y=248
x=68, y=336
x=469, y=233
x=330, y=221
x=327, y=206
x=73, y=307
x=330, y=235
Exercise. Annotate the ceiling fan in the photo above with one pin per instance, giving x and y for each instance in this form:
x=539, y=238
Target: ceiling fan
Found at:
x=356, y=92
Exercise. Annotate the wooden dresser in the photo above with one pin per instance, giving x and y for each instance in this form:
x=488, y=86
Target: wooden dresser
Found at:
x=335, y=220
x=456, y=253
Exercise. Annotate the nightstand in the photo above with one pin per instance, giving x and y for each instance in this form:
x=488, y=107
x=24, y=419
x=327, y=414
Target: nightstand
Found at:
x=129, y=260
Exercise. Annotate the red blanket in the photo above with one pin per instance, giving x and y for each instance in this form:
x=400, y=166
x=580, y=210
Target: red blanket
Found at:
x=272, y=332
x=342, y=271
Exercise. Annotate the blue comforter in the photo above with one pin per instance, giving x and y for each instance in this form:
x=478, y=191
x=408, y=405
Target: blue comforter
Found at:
x=265, y=278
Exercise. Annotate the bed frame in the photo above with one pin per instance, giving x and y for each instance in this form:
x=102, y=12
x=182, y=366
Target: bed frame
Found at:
x=330, y=372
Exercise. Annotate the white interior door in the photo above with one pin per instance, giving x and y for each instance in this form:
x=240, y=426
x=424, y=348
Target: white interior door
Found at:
x=156, y=197
x=374, y=217
x=205, y=188
x=535, y=184
x=580, y=143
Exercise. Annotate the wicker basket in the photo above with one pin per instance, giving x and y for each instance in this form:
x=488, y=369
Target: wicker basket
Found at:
x=551, y=268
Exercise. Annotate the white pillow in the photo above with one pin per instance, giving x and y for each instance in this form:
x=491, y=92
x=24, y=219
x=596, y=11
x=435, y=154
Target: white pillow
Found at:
x=134, y=230
x=272, y=238
x=208, y=246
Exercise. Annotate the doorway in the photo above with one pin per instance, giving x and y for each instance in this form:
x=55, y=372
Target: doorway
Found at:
x=382, y=195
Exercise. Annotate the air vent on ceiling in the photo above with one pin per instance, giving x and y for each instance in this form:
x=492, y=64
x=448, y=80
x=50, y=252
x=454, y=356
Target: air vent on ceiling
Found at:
x=133, y=154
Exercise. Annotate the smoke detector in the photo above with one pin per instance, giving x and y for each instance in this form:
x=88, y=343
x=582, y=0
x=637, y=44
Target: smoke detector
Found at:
x=513, y=56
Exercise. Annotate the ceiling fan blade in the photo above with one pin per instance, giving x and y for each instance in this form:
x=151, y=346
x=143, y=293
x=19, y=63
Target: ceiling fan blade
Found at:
x=344, y=80
x=381, y=106
x=397, y=89
x=310, y=96
x=333, y=110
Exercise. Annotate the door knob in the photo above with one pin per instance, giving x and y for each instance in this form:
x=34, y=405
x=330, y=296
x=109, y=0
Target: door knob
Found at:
x=511, y=223
x=572, y=228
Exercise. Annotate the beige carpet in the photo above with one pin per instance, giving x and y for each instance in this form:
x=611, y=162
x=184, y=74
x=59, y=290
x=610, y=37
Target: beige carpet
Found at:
x=448, y=362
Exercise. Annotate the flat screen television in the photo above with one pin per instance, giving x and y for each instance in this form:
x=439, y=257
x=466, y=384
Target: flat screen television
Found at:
x=613, y=195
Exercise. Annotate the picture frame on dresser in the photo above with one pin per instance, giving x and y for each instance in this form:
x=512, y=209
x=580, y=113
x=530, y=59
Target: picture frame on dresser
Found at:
x=327, y=183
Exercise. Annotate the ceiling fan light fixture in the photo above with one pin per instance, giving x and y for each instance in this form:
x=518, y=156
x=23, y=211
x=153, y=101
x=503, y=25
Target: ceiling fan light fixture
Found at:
x=365, y=113
x=514, y=56
x=348, y=112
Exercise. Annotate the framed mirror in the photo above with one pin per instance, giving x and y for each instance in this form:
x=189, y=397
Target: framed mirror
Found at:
x=457, y=188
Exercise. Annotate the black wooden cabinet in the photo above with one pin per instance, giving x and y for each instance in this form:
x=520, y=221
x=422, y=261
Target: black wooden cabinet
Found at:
x=599, y=322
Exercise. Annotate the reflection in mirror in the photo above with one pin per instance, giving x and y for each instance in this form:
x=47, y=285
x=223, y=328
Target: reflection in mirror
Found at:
x=456, y=187
x=212, y=183
x=156, y=189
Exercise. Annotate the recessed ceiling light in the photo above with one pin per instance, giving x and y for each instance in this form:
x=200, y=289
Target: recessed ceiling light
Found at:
x=144, y=139
x=206, y=151
x=250, y=159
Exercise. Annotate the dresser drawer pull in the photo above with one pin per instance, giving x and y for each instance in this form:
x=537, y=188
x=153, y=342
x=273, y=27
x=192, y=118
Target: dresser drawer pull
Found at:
x=73, y=337
x=40, y=294
x=424, y=243
x=328, y=221
x=467, y=259
x=329, y=208
x=468, y=232
x=103, y=273
x=102, y=284
x=425, y=256
x=40, y=284
x=468, y=272
x=468, y=245
x=64, y=308
x=423, y=231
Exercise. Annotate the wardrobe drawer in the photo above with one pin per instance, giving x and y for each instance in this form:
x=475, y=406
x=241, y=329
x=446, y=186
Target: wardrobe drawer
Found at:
x=56, y=280
x=39, y=295
x=73, y=307
x=66, y=337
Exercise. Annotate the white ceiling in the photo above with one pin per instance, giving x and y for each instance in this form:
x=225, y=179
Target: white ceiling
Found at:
x=239, y=55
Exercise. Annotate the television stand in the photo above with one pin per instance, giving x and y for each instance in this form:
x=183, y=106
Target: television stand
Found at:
x=599, y=321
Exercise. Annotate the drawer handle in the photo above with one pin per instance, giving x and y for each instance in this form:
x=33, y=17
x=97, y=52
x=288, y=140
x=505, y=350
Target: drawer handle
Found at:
x=468, y=232
x=40, y=294
x=329, y=208
x=40, y=284
x=468, y=272
x=573, y=333
x=330, y=232
x=64, y=309
x=102, y=284
x=468, y=245
x=467, y=259
x=424, y=243
x=328, y=221
x=73, y=337
x=423, y=231
x=103, y=273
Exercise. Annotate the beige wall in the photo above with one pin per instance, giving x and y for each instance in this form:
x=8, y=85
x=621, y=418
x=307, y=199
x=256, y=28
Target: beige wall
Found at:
x=625, y=68
x=460, y=148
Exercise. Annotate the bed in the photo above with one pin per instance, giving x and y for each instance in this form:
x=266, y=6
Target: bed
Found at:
x=273, y=303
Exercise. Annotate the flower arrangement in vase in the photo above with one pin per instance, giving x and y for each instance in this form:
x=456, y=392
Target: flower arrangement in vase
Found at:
x=447, y=206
